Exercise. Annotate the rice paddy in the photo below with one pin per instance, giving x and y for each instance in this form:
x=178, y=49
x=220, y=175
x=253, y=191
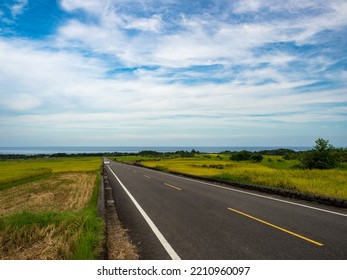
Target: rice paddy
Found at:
x=48, y=209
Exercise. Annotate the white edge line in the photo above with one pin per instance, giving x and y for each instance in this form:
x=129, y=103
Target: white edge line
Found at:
x=154, y=228
x=245, y=192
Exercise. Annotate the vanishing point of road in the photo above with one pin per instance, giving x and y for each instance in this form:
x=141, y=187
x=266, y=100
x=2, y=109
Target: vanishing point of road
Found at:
x=173, y=217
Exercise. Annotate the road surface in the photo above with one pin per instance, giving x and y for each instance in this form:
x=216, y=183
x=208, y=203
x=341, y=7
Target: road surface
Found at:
x=172, y=217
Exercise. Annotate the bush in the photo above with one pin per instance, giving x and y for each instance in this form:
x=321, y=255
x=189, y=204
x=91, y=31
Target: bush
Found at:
x=243, y=155
x=321, y=157
x=341, y=154
x=256, y=157
x=246, y=155
x=289, y=156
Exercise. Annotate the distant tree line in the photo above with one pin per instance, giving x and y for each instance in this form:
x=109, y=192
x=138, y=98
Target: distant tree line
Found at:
x=322, y=156
x=167, y=154
x=246, y=155
x=149, y=153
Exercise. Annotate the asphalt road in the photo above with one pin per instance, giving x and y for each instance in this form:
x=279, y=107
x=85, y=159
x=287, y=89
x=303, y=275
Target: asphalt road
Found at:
x=172, y=217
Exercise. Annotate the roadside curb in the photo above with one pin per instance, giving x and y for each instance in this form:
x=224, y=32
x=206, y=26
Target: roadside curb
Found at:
x=101, y=196
x=117, y=243
x=102, y=212
x=342, y=203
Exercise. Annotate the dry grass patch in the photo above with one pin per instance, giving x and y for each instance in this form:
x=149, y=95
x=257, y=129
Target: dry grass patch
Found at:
x=119, y=246
x=60, y=192
x=32, y=242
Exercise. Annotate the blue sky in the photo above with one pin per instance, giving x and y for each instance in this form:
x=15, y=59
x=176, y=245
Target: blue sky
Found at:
x=171, y=73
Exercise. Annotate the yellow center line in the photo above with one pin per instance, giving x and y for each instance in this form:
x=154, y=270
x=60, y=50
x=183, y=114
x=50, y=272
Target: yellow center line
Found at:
x=171, y=186
x=147, y=176
x=277, y=227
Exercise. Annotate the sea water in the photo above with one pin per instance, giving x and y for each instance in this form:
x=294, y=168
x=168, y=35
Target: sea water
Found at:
x=133, y=149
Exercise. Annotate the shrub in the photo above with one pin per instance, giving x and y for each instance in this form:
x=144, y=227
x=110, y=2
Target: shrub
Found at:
x=246, y=155
x=243, y=155
x=256, y=157
x=321, y=157
x=341, y=154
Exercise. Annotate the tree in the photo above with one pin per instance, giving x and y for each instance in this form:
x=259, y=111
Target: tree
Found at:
x=321, y=157
x=323, y=145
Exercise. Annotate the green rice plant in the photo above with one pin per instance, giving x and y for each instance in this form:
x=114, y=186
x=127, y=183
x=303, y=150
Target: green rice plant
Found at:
x=14, y=172
x=14, y=176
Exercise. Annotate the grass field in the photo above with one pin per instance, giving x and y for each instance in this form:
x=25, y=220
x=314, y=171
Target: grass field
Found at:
x=48, y=209
x=18, y=171
x=273, y=171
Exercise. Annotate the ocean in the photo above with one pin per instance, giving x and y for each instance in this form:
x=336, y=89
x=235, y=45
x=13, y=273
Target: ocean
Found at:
x=91, y=149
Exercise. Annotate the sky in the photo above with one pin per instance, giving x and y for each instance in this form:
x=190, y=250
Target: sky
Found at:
x=173, y=73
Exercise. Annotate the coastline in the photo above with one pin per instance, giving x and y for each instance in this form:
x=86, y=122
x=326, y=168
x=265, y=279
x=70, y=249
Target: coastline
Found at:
x=134, y=149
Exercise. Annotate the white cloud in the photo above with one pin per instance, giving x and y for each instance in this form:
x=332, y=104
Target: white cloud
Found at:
x=199, y=40
x=51, y=87
x=18, y=7
x=15, y=9
x=20, y=102
x=99, y=39
x=60, y=82
x=30, y=76
x=247, y=6
x=291, y=6
x=91, y=6
x=144, y=24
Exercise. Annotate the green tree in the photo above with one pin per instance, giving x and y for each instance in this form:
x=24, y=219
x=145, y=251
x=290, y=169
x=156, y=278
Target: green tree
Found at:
x=323, y=145
x=321, y=157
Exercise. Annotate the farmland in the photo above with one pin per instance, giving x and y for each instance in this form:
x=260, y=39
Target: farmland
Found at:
x=48, y=208
x=17, y=171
